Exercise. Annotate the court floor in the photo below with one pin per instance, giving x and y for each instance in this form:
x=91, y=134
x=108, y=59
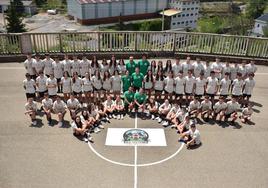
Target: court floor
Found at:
x=44, y=157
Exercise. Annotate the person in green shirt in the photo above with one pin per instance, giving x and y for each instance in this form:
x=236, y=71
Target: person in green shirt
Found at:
x=140, y=99
x=129, y=99
x=126, y=80
x=137, y=79
x=143, y=64
x=131, y=65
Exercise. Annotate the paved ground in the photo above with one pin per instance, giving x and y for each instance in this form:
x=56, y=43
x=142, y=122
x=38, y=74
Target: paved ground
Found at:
x=44, y=157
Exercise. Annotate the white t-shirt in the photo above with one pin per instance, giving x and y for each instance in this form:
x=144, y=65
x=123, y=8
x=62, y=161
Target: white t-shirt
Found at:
x=97, y=83
x=47, y=103
x=66, y=85
x=212, y=85
x=159, y=85
x=249, y=85
x=198, y=67
x=176, y=68
x=31, y=106
x=149, y=84
x=185, y=67
x=194, y=105
x=169, y=84
x=237, y=87
x=119, y=103
x=84, y=67
x=121, y=69
x=42, y=83
x=50, y=82
x=219, y=106
x=175, y=109
x=217, y=67
x=87, y=85
x=76, y=66
x=165, y=106
x=225, y=69
x=28, y=64
x=200, y=86
x=29, y=85
x=195, y=135
x=57, y=69
x=116, y=83
x=108, y=103
x=73, y=104
x=38, y=65
x=59, y=107
x=107, y=84
x=233, y=72
x=77, y=85
x=48, y=66
x=242, y=70
x=207, y=70
x=247, y=112
x=189, y=84
x=179, y=85
x=67, y=66
x=251, y=68
x=206, y=105
x=225, y=85
x=232, y=107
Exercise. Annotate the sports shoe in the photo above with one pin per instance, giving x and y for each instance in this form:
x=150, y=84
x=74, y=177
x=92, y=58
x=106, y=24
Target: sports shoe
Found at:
x=60, y=124
x=165, y=123
x=110, y=116
x=101, y=126
x=90, y=138
x=85, y=139
x=34, y=123
x=118, y=117
x=159, y=120
x=173, y=126
x=96, y=130
x=88, y=134
x=153, y=117
x=107, y=119
x=114, y=116
x=122, y=117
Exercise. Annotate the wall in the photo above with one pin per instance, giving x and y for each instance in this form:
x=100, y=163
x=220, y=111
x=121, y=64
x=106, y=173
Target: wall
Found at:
x=258, y=28
x=74, y=9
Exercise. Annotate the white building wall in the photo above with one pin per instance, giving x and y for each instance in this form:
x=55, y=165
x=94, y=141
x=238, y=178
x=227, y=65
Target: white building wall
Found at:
x=103, y=10
x=258, y=28
x=74, y=9
x=117, y=9
x=140, y=6
x=152, y=6
x=129, y=7
x=89, y=11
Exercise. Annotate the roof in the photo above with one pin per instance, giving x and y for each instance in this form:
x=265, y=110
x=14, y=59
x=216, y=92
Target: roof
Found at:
x=170, y=12
x=97, y=1
x=263, y=18
x=7, y=2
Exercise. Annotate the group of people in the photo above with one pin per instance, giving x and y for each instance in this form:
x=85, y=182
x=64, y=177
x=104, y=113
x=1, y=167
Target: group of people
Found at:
x=171, y=93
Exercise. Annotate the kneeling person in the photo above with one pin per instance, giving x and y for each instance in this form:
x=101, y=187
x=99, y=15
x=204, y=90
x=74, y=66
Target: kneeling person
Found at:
x=31, y=109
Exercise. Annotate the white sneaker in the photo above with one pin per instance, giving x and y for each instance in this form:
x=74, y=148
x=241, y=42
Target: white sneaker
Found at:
x=165, y=123
x=96, y=130
x=153, y=117
x=110, y=116
x=88, y=134
x=34, y=123
x=90, y=138
x=114, y=116
x=60, y=124
x=156, y=118
x=118, y=117
x=122, y=117
x=159, y=120
x=107, y=119
x=173, y=126
x=101, y=126
x=85, y=139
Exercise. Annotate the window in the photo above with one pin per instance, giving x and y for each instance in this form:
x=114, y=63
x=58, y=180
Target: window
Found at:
x=182, y=22
x=196, y=14
x=173, y=23
x=192, y=8
x=258, y=25
x=174, y=16
x=186, y=22
x=187, y=14
x=183, y=15
x=191, y=21
x=188, y=8
x=196, y=8
x=179, y=15
x=184, y=3
x=178, y=23
x=183, y=9
x=192, y=14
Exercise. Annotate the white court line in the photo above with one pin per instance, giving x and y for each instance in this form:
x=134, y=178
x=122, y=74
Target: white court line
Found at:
x=136, y=158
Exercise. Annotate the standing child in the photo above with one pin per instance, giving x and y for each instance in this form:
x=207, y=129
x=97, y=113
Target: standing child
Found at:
x=66, y=83
x=29, y=86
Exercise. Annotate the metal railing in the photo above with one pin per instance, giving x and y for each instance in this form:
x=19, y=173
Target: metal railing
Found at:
x=131, y=41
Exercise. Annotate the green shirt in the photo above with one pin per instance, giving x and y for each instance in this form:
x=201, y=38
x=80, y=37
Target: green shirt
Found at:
x=143, y=66
x=126, y=80
x=140, y=98
x=129, y=96
x=137, y=79
x=131, y=67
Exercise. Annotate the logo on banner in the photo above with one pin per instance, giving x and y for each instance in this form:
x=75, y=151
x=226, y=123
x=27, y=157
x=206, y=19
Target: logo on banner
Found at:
x=136, y=136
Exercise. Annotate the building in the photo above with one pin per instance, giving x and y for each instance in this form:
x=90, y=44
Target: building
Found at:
x=260, y=23
x=29, y=6
x=182, y=13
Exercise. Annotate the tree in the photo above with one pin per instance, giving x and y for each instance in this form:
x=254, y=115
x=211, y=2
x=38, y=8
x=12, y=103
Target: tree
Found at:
x=255, y=8
x=18, y=6
x=14, y=19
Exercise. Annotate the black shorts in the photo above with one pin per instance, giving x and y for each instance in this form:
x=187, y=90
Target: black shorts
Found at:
x=77, y=93
x=198, y=96
x=136, y=88
x=58, y=80
x=236, y=96
x=225, y=96
x=52, y=96
x=188, y=94
x=210, y=95
x=229, y=115
x=33, y=76
x=41, y=94
x=158, y=91
x=166, y=92
x=30, y=95
x=246, y=95
x=97, y=90
x=178, y=95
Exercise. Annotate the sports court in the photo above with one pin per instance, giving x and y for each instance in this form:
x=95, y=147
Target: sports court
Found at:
x=49, y=157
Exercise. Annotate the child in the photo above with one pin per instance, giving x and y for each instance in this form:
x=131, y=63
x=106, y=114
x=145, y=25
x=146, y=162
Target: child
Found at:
x=73, y=106
x=152, y=107
x=194, y=107
x=231, y=110
x=80, y=128
x=206, y=108
x=163, y=110
x=31, y=109
x=119, y=107
x=29, y=86
x=59, y=108
x=246, y=114
x=219, y=109
x=47, y=106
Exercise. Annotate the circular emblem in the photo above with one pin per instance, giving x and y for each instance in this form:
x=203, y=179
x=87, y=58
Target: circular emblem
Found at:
x=135, y=136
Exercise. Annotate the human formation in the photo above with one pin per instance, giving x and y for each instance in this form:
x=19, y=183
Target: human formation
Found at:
x=95, y=91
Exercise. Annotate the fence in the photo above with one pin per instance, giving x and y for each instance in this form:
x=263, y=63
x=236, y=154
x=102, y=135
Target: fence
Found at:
x=79, y=42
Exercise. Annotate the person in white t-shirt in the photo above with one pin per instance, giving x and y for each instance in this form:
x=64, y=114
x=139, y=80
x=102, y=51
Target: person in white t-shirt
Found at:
x=251, y=67
x=121, y=67
x=152, y=107
x=58, y=72
x=206, y=108
x=184, y=126
x=95, y=117
x=77, y=86
x=59, y=108
x=29, y=86
x=97, y=85
x=28, y=65
x=41, y=86
x=175, y=109
x=231, y=110
x=237, y=86
x=107, y=83
x=48, y=65
x=212, y=86
x=186, y=66
x=76, y=65
x=198, y=67
x=95, y=66
x=104, y=66
x=163, y=111
x=189, y=86
x=52, y=86
x=246, y=114
x=179, y=87
x=233, y=72
x=217, y=68
x=225, y=85
x=73, y=105
x=159, y=84
x=226, y=68
x=219, y=109
x=248, y=87
x=66, y=84
x=87, y=87
x=109, y=107
x=191, y=137
x=148, y=83
x=119, y=107
x=169, y=83
x=242, y=69
x=194, y=107
x=38, y=65
x=67, y=64
x=81, y=128
x=116, y=83
x=200, y=86
x=84, y=66
x=207, y=69
x=176, y=68
x=31, y=110
x=47, y=106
